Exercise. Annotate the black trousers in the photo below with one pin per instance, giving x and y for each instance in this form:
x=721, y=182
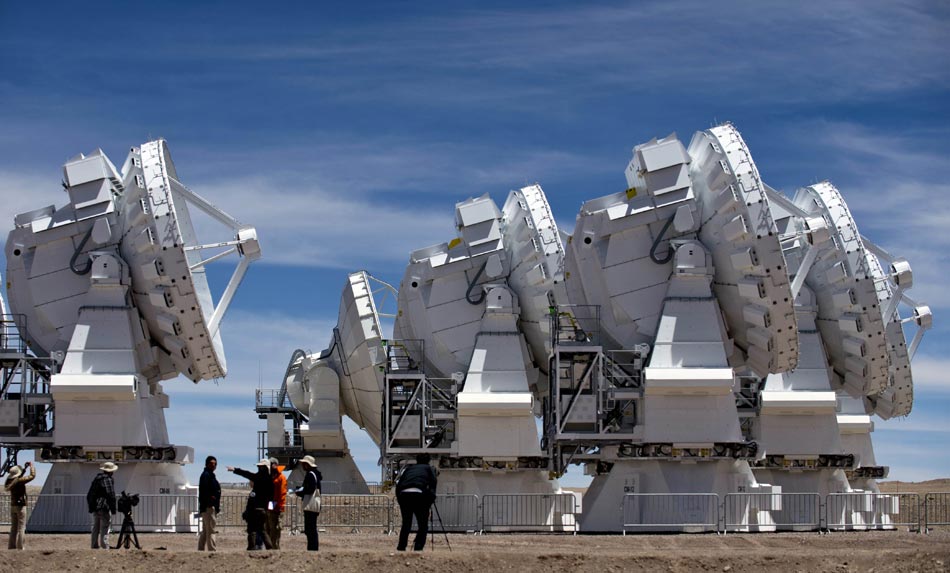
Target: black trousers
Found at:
x=414, y=505
x=310, y=530
x=255, y=528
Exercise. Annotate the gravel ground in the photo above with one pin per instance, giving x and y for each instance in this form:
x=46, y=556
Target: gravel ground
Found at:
x=343, y=552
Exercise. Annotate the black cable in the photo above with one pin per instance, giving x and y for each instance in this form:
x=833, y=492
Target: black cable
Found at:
x=471, y=286
x=656, y=243
x=72, y=261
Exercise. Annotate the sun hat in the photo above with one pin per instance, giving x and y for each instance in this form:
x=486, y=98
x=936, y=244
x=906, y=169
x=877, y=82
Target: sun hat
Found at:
x=15, y=472
x=264, y=462
x=108, y=467
x=309, y=461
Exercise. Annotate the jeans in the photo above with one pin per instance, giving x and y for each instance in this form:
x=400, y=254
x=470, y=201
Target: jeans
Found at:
x=209, y=519
x=414, y=505
x=17, y=526
x=101, y=525
x=310, y=530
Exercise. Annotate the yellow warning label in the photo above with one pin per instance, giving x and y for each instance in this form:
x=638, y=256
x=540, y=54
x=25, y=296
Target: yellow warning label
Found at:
x=455, y=242
x=631, y=193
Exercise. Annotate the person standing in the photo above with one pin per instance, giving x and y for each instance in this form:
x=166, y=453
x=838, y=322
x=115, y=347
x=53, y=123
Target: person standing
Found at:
x=209, y=504
x=16, y=485
x=415, y=492
x=262, y=493
x=312, y=482
x=276, y=508
x=102, y=504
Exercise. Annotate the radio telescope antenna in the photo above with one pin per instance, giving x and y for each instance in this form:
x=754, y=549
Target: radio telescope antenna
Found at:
x=165, y=259
x=751, y=275
x=113, y=287
x=346, y=378
x=850, y=316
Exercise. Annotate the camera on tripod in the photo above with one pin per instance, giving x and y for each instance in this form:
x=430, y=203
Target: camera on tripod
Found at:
x=126, y=502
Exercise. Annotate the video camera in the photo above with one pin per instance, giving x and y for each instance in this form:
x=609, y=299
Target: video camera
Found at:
x=126, y=502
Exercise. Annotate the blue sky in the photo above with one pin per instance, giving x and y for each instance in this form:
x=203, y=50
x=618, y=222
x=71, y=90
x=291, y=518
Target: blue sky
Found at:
x=347, y=134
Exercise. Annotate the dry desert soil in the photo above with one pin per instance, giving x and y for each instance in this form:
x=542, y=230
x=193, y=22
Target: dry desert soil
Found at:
x=350, y=552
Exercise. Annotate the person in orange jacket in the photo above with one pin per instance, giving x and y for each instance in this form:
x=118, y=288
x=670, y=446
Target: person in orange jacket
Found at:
x=277, y=508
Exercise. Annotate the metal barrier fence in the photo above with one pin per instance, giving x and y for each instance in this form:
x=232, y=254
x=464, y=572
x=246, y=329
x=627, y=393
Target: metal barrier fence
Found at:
x=538, y=512
x=530, y=512
x=771, y=512
x=936, y=509
x=355, y=512
x=69, y=512
x=866, y=510
x=458, y=512
x=685, y=512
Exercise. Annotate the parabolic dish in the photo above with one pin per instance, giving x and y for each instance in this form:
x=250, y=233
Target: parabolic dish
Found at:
x=532, y=238
x=751, y=277
x=170, y=285
x=849, y=303
x=898, y=398
x=358, y=339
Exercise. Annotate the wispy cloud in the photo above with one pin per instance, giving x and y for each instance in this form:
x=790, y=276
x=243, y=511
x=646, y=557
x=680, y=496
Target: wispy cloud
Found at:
x=833, y=51
x=21, y=192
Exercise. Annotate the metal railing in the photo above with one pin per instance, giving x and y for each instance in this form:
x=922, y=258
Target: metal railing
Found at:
x=404, y=355
x=70, y=512
x=682, y=512
x=458, y=513
x=529, y=512
x=936, y=509
x=356, y=512
x=771, y=512
x=10, y=329
x=866, y=510
x=747, y=512
x=577, y=324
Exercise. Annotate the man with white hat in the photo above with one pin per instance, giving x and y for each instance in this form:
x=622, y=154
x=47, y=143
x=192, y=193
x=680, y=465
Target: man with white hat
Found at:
x=16, y=485
x=261, y=495
x=102, y=504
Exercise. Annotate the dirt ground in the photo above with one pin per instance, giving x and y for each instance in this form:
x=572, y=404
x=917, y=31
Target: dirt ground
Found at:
x=346, y=552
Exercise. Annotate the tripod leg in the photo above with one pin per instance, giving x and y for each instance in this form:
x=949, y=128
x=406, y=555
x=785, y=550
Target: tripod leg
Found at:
x=442, y=523
x=135, y=536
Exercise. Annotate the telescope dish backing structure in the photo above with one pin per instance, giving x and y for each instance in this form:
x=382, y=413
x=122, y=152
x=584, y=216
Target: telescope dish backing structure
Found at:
x=344, y=379
x=751, y=275
x=112, y=286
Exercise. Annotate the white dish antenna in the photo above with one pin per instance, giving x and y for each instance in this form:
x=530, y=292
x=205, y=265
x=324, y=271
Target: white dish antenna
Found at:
x=842, y=276
x=751, y=274
x=532, y=239
x=354, y=360
x=892, y=283
x=165, y=259
x=144, y=214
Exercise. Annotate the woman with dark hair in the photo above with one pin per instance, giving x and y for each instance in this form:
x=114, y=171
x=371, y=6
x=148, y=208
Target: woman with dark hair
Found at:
x=415, y=492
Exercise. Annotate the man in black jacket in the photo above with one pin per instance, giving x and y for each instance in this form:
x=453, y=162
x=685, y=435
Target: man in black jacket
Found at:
x=209, y=504
x=256, y=511
x=415, y=492
x=102, y=504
